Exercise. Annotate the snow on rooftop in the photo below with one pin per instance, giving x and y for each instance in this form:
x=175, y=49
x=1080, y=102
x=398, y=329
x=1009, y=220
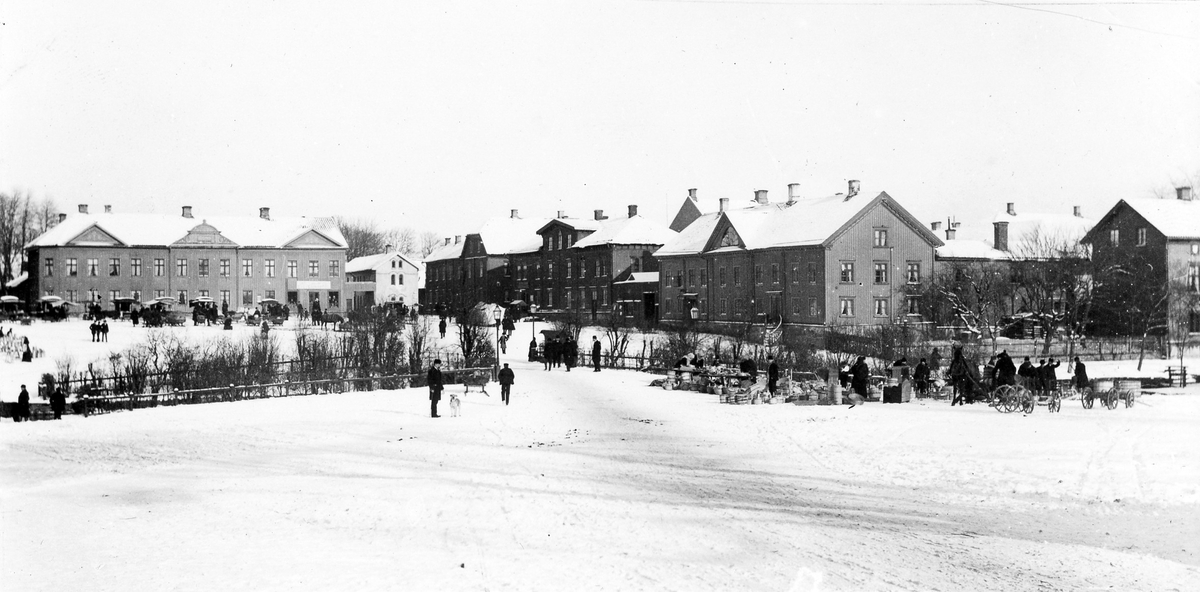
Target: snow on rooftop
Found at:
x=636, y=230
x=369, y=262
x=971, y=249
x=1175, y=218
x=453, y=250
x=641, y=277
x=161, y=229
x=505, y=236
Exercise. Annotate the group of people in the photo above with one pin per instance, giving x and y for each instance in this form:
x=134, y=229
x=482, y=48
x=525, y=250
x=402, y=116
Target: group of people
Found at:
x=562, y=350
x=23, y=411
x=99, y=330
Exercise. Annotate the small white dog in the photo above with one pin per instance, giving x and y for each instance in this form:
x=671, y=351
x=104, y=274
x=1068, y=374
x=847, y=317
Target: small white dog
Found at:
x=455, y=405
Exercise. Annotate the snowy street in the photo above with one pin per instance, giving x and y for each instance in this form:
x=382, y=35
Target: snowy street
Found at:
x=598, y=482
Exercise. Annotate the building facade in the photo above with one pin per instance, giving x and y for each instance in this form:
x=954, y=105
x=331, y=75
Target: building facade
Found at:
x=387, y=277
x=237, y=260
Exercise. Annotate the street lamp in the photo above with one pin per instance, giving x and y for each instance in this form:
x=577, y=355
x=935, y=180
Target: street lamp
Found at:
x=496, y=368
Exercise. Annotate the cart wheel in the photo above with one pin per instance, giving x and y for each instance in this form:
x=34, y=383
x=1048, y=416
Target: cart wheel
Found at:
x=1028, y=402
x=1016, y=398
x=1055, y=404
x=1129, y=399
x=1110, y=399
x=1086, y=398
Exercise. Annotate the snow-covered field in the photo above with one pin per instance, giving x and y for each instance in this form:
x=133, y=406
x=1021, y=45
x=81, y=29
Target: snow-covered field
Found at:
x=598, y=482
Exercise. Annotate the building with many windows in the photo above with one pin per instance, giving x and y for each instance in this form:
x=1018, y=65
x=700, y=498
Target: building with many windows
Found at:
x=841, y=259
x=100, y=258
x=381, y=278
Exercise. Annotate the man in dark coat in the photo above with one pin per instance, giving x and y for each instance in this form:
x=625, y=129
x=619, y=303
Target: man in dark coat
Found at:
x=533, y=350
x=570, y=353
x=921, y=377
x=1006, y=370
x=506, y=381
x=1081, y=377
x=964, y=374
x=22, y=411
x=442, y=327
x=772, y=375
x=434, y=380
x=860, y=381
x=548, y=354
x=595, y=354
x=58, y=402
x=1027, y=373
x=1049, y=376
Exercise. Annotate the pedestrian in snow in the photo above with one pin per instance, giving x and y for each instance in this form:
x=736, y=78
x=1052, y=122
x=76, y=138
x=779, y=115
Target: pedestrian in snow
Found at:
x=58, y=402
x=1006, y=370
x=860, y=381
x=134, y=316
x=504, y=344
x=921, y=377
x=772, y=375
x=533, y=355
x=1081, y=377
x=104, y=331
x=434, y=380
x=266, y=328
x=963, y=375
x=1039, y=376
x=442, y=327
x=1050, y=376
x=22, y=411
x=935, y=361
x=556, y=352
x=506, y=381
x=571, y=355
x=595, y=353
x=1027, y=373
x=95, y=329
x=28, y=355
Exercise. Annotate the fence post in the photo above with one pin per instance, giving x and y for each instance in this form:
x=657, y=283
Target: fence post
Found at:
x=84, y=398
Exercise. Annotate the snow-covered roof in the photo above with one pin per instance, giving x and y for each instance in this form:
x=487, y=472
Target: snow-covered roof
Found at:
x=971, y=249
x=17, y=281
x=1175, y=218
x=813, y=221
x=1057, y=227
x=369, y=262
x=160, y=230
x=635, y=230
x=452, y=250
x=640, y=277
x=506, y=236
x=589, y=224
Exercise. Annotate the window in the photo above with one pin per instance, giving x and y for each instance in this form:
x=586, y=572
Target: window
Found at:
x=691, y=278
x=795, y=274
x=721, y=277
x=113, y=295
x=225, y=268
x=393, y=264
x=181, y=267
x=160, y=267
x=758, y=274
x=847, y=273
x=774, y=273
x=93, y=267
x=204, y=293
x=294, y=266
x=737, y=276
x=72, y=266
x=813, y=309
x=703, y=277
x=314, y=268
x=202, y=268
x=1195, y=249
x=679, y=279
x=247, y=297
x=568, y=270
x=599, y=268
x=812, y=273
x=914, y=272
x=393, y=279
x=846, y=307
x=1193, y=280
x=582, y=268
x=881, y=273
x=93, y=295
x=1114, y=237
x=881, y=307
x=183, y=297
x=49, y=267
x=269, y=268
x=225, y=296
x=335, y=268
x=247, y=267
x=1141, y=237
x=881, y=237
x=271, y=294
x=71, y=296
x=635, y=264
x=724, y=306
x=135, y=267
x=604, y=296
x=114, y=267
x=914, y=305
x=550, y=270
x=737, y=307
x=160, y=293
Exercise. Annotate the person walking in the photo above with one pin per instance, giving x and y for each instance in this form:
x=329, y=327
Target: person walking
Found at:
x=434, y=380
x=1081, y=378
x=1006, y=370
x=442, y=327
x=921, y=377
x=22, y=411
x=860, y=381
x=58, y=402
x=506, y=381
x=548, y=354
x=104, y=331
x=595, y=354
x=963, y=377
x=572, y=353
x=95, y=329
x=28, y=355
x=533, y=355
x=772, y=375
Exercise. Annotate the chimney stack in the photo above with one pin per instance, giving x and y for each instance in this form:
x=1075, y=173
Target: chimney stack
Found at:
x=1000, y=236
x=632, y=210
x=760, y=196
x=82, y=208
x=935, y=226
x=724, y=204
x=1012, y=210
x=1077, y=213
x=447, y=240
x=513, y=214
x=62, y=216
x=387, y=248
x=793, y=193
x=1183, y=193
x=187, y=211
x=264, y=213
x=599, y=215
x=107, y=209
x=692, y=194
x=561, y=214
x=950, y=233
x=457, y=238
x=852, y=188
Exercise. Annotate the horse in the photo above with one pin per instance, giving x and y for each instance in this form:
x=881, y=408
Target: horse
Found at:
x=325, y=318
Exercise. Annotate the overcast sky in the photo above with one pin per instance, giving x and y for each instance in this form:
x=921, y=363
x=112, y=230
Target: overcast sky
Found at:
x=441, y=114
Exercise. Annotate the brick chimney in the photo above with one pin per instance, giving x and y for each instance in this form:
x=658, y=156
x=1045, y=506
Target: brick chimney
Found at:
x=264, y=213
x=724, y=201
x=513, y=214
x=793, y=193
x=760, y=196
x=1077, y=212
x=561, y=214
x=1011, y=209
x=692, y=194
x=62, y=216
x=387, y=248
x=852, y=188
x=187, y=211
x=599, y=215
x=951, y=231
x=457, y=238
x=935, y=226
x=632, y=210
x=1000, y=236
x=107, y=209
x=82, y=208
x=447, y=240
x=1183, y=193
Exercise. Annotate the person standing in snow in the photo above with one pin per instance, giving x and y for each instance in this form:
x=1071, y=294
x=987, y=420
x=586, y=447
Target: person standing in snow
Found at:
x=860, y=382
x=533, y=355
x=1050, y=377
x=104, y=331
x=1027, y=373
x=442, y=327
x=964, y=375
x=22, y=411
x=58, y=402
x=434, y=380
x=772, y=375
x=595, y=353
x=1006, y=370
x=921, y=377
x=1081, y=377
x=506, y=378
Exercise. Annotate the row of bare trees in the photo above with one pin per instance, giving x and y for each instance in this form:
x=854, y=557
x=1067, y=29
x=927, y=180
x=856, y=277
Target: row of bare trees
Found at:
x=22, y=218
x=366, y=237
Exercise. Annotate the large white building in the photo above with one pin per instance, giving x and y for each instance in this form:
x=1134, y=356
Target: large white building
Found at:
x=385, y=277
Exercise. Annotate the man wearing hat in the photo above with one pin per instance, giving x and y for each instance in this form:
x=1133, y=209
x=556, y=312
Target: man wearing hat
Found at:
x=434, y=380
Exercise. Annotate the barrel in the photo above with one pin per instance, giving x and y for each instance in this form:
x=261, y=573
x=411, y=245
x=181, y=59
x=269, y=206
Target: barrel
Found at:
x=1102, y=386
x=1125, y=387
x=835, y=393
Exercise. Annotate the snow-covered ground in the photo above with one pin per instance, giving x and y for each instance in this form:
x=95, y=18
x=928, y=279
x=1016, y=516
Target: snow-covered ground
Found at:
x=598, y=482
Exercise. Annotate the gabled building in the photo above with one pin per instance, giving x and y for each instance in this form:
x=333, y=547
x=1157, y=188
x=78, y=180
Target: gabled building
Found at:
x=98, y=258
x=845, y=258
x=387, y=277
x=1157, y=242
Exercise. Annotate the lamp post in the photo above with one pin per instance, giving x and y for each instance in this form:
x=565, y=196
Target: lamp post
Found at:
x=496, y=368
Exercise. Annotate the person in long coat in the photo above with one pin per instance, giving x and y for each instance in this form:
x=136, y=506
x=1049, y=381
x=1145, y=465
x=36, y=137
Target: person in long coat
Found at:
x=58, y=402
x=506, y=378
x=1081, y=377
x=595, y=354
x=549, y=352
x=1050, y=376
x=772, y=375
x=22, y=411
x=860, y=381
x=1006, y=370
x=442, y=327
x=572, y=354
x=533, y=350
x=961, y=372
x=921, y=376
x=434, y=380
x=1027, y=373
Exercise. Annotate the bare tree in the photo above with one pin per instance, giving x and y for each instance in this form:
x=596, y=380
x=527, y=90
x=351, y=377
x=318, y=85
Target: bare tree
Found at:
x=974, y=295
x=1053, y=281
x=429, y=242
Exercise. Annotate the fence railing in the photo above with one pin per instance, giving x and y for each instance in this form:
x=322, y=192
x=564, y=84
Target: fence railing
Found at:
x=100, y=402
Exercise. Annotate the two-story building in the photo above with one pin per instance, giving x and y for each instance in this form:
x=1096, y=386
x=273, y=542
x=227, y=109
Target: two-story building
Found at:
x=387, y=277
x=98, y=258
x=841, y=259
